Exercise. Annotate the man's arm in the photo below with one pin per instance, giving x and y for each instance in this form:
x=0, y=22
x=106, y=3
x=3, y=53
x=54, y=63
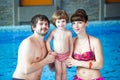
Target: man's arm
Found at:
x=27, y=55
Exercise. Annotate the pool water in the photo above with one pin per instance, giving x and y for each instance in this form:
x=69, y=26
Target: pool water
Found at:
x=107, y=31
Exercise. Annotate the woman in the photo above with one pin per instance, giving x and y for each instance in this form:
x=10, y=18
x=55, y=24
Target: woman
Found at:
x=87, y=54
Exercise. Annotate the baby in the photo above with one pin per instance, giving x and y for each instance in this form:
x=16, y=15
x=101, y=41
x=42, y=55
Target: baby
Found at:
x=62, y=42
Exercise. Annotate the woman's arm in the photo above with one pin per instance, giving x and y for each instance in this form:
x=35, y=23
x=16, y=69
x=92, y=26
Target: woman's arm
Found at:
x=98, y=64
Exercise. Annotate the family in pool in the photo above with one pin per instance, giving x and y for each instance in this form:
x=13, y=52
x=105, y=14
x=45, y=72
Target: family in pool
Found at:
x=83, y=51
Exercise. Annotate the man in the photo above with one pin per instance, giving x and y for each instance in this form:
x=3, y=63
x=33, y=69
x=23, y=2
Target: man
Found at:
x=32, y=53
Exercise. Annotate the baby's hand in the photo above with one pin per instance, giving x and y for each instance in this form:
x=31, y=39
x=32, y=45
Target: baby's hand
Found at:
x=54, y=53
x=69, y=57
x=49, y=52
x=50, y=58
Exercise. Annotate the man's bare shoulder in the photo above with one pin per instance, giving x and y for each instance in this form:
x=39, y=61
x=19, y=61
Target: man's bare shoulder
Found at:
x=27, y=42
x=26, y=46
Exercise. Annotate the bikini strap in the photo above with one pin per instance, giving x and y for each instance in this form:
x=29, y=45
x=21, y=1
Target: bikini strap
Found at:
x=89, y=43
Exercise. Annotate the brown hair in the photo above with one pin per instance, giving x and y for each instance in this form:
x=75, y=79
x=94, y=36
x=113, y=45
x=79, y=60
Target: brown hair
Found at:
x=38, y=17
x=59, y=14
x=79, y=15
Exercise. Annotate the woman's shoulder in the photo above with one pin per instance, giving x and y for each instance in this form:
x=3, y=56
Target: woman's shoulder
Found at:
x=94, y=40
x=93, y=37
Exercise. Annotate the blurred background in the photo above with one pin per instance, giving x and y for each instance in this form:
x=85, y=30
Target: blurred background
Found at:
x=104, y=23
x=17, y=12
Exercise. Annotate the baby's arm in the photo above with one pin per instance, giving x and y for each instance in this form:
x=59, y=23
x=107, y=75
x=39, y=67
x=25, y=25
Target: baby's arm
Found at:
x=48, y=42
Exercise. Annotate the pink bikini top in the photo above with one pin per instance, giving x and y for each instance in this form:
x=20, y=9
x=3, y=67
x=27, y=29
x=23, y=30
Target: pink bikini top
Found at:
x=86, y=56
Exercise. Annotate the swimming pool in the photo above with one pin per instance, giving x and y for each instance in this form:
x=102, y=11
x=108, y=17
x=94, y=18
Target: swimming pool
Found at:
x=107, y=31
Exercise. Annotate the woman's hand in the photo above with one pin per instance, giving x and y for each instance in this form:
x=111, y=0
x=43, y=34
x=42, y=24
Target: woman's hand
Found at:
x=72, y=62
x=70, y=57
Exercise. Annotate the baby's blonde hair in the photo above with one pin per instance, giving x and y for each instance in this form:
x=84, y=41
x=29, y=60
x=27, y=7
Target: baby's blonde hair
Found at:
x=59, y=14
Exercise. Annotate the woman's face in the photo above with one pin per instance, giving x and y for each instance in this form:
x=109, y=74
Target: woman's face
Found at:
x=79, y=26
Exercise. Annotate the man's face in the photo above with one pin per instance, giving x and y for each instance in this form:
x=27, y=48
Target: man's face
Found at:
x=41, y=27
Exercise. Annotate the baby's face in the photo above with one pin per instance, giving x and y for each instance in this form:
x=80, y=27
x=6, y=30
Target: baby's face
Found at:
x=60, y=23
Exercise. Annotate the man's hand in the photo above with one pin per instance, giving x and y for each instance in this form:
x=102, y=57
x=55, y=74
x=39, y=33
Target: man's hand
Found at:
x=50, y=58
